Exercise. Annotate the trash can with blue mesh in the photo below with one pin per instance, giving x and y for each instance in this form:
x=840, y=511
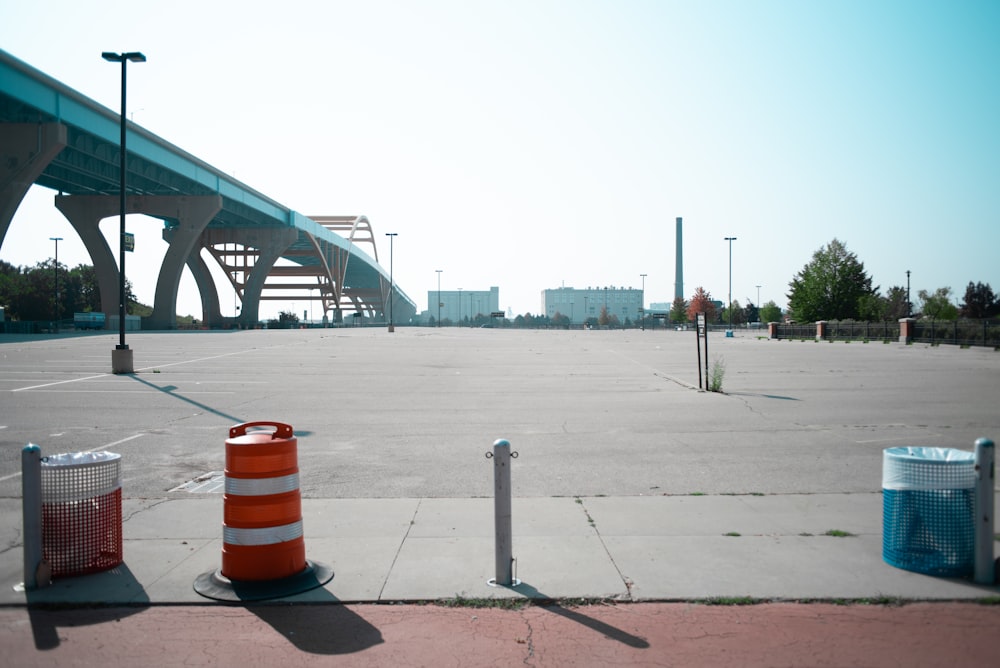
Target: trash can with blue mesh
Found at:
x=928, y=518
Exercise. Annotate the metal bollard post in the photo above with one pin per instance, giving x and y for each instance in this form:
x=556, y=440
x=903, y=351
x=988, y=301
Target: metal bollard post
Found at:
x=501, y=456
x=985, y=568
x=31, y=504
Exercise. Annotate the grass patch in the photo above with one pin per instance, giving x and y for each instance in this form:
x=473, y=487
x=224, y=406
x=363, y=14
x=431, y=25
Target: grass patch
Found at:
x=732, y=534
x=837, y=533
x=481, y=603
x=728, y=600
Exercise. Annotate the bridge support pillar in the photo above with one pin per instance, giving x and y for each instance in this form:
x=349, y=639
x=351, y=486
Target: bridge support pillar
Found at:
x=191, y=215
x=268, y=244
x=28, y=148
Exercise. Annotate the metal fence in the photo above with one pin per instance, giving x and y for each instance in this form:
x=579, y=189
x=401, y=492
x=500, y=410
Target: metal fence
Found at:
x=958, y=332
x=954, y=332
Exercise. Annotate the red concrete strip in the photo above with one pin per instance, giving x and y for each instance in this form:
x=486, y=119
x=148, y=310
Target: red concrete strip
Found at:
x=645, y=634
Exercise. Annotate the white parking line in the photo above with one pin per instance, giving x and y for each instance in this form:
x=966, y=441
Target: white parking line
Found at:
x=58, y=382
x=124, y=440
x=104, y=375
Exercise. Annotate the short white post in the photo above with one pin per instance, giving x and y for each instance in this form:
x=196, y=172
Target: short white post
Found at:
x=31, y=505
x=985, y=572
x=504, y=559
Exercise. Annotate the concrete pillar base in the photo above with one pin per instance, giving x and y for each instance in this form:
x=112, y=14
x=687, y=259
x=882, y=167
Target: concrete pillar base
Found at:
x=121, y=361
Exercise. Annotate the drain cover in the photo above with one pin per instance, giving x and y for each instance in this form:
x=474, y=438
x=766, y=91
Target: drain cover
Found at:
x=213, y=482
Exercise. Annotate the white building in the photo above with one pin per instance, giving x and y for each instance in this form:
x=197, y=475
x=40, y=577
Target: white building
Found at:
x=583, y=305
x=459, y=306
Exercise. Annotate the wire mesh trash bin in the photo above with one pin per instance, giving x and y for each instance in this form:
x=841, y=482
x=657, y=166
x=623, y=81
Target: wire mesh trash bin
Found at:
x=928, y=518
x=81, y=512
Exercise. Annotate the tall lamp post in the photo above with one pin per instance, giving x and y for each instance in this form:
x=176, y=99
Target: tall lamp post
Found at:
x=439, y=296
x=730, y=240
x=121, y=356
x=391, y=236
x=642, y=303
x=909, y=304
x=758, y=303
x=56, y=274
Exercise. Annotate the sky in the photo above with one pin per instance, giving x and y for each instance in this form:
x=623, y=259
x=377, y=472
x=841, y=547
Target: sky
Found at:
x=536, y=144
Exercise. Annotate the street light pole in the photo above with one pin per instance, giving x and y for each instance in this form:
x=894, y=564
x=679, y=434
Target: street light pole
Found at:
x=730, y=240
x=56, y=274
x=909, y=304
x=439, y=295
x=121, y=357
x=642, y=303
x=391, y=236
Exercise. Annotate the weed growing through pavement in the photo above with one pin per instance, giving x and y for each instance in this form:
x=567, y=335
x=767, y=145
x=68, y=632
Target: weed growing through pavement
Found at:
x=718, y=373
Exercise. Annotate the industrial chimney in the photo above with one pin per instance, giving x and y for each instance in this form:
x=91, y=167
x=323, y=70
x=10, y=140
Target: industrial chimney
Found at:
x=679, y=262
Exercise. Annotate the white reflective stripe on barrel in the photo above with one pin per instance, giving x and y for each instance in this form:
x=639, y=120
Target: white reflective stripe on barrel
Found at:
x=264, y=536
x=262, y=486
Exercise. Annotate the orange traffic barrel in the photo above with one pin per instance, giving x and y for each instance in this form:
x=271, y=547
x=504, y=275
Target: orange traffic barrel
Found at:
x=262, y=517
x=263, y=547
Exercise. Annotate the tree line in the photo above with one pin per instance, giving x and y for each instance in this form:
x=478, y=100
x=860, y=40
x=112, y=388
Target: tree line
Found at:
x=835, y=286
x=50, y=292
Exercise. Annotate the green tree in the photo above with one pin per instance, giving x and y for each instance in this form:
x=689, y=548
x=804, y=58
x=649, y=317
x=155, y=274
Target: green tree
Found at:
x=830, y=287
x=896, y=306
x=937, y=305
x=560, y=320
x=678, y=310
x=872, y=308
x=701, y=301
x=979, y=302
x=603, y=319
x=770, y=312
x=739, y=316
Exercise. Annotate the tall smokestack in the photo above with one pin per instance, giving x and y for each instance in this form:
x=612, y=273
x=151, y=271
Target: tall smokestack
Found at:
x=679, y=262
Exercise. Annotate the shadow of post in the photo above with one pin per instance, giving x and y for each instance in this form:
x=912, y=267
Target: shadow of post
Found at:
x=89, y=599
x=608, y=631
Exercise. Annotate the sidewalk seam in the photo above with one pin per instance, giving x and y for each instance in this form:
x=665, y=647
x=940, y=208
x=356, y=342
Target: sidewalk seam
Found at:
x=395, y=557
x=625, y=581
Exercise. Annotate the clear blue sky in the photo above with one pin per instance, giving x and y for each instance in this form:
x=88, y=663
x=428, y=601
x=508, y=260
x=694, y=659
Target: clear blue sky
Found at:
x=535, y=144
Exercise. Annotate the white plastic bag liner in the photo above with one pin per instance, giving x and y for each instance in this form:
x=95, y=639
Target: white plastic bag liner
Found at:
x=77, y=476
x=921, y=468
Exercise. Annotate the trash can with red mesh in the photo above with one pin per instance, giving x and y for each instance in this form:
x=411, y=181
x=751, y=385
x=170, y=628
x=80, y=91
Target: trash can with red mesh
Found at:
x=81, y=512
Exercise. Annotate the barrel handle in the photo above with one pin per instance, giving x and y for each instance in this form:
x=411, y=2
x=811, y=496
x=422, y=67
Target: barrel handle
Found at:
x=281, y=430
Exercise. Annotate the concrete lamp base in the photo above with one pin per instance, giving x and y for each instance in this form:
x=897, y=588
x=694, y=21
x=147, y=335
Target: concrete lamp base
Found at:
x=121, y=360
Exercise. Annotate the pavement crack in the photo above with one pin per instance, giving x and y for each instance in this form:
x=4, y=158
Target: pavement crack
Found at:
x=395, y=557
x=626, y=581
x=529, y=641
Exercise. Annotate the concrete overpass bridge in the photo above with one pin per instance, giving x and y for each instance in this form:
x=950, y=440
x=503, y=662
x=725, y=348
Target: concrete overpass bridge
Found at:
x=53, y=136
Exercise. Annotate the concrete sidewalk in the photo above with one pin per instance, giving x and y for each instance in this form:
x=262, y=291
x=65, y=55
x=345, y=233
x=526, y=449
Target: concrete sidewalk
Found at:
x=652, y=548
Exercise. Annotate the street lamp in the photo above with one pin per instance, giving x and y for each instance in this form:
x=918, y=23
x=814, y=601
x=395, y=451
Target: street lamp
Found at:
x=730, y=240
x=56, y=273
x=642, y=304
x=439, y=295
x=909, y=304
x=391, y=236
x=121, y=357
x=460, y=307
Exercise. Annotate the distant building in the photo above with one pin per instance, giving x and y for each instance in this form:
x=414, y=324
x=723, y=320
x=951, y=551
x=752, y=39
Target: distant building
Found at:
x=458, y=306
x=582, y=305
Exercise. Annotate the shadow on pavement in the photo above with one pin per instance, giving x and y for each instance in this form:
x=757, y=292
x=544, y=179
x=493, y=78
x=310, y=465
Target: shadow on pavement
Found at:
x=169, y=389
x=603, y=628
x=48, y=609
x=318, y=627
